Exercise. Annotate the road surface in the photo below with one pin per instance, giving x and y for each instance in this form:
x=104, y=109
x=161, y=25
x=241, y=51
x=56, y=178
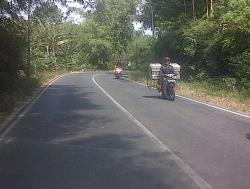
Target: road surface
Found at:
x=92, y=131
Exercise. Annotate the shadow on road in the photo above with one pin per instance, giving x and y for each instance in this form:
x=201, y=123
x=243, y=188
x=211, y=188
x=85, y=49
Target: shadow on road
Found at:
x=45, y=165
x=69, y=141
x=248, y=136
x=154, y=97
x=60, y=111
x=158, y=97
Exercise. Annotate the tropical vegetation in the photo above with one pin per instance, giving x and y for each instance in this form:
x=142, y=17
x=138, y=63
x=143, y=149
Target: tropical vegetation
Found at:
x=210, y=39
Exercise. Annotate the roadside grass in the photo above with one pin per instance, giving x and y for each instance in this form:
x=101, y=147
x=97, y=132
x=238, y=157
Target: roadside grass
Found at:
x=215, y=94
x=138, y=76
x=211, y=91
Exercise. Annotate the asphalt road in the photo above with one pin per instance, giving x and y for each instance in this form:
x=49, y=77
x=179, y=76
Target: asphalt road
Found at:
x=75, y=136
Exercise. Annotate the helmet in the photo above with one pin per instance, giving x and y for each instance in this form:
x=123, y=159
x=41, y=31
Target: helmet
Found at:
x=166, y=59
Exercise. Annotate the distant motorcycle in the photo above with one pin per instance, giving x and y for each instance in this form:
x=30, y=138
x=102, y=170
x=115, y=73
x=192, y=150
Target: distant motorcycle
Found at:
x=168, y=86
x=118, y=72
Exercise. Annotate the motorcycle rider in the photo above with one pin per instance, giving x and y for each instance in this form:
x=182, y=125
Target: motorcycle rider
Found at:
x=118, y=68
x=166, y=68
x=119, y=64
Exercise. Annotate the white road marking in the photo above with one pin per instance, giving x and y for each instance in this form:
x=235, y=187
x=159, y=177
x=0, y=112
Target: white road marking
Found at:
x=186, y=168
x=22, y=114
x=206, y=104
x=216, y=107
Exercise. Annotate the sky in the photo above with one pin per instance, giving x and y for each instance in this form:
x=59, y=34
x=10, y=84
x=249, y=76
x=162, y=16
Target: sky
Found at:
x=77, y=18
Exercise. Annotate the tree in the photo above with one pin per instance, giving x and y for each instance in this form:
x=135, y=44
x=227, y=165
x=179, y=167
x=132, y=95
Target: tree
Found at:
x=47, y=13
x=214, y=44
x=47, y=36
x=140, y=50
x=116, y=16
x=12, y=42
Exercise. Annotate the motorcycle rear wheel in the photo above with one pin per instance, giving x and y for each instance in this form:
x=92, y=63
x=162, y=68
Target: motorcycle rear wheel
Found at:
x=171, y=92
x=117, y=76
x=164, y=91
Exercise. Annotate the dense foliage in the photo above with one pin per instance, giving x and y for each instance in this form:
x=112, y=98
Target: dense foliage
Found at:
x=12, y=45
x=210, y=39
x=94, y=44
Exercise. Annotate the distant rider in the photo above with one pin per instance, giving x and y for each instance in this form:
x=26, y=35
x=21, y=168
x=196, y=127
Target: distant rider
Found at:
x=119, y=64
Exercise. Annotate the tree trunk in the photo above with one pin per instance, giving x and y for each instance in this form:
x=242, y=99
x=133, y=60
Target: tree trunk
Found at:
x=185, y=8
x=152, y=21
x=193, y=3
x=35, y=69
x=211, y=7
x=47, y=49
x=28, y=39
x=53, y=46
x=207, y=4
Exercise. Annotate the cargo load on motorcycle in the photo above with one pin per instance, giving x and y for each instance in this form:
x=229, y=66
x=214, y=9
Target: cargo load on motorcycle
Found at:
x=163, y=83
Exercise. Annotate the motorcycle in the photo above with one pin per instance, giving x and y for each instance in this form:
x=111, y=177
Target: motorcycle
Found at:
x=118, y=72
x=167, y=86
